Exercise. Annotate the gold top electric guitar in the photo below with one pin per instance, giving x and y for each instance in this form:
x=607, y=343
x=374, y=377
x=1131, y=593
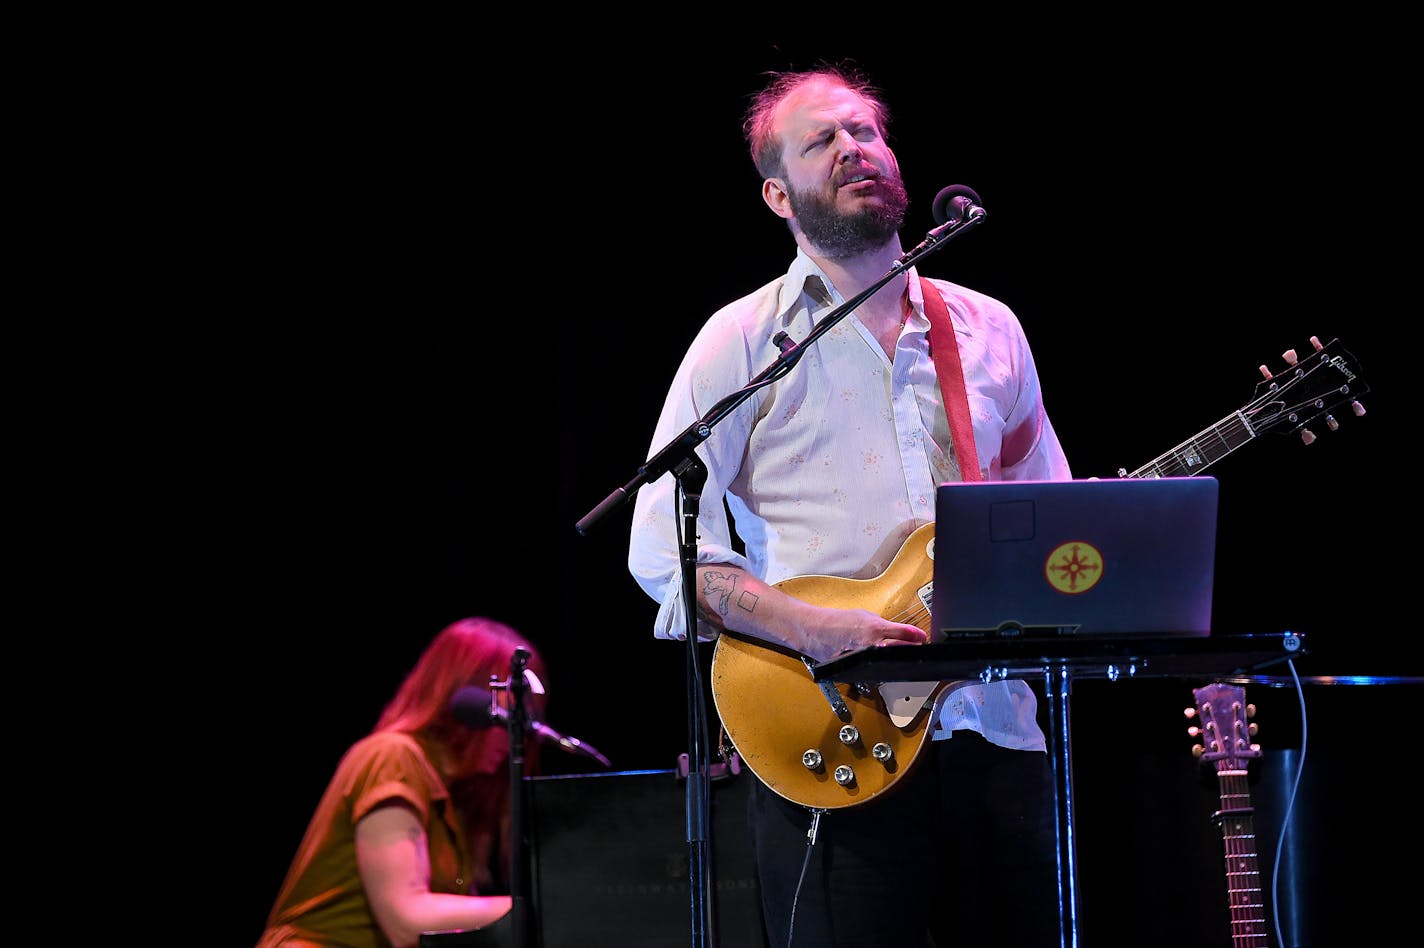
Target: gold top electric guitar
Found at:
x=828, y=745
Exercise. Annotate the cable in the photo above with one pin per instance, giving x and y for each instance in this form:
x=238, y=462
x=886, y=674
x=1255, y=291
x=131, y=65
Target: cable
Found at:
x=1290, y=806
x=805, y=863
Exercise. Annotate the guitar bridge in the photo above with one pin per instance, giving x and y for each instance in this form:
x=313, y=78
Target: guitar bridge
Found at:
x=838, y=705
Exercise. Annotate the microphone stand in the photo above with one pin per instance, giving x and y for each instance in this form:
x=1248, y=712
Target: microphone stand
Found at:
x=517, y=722
x=677, y=458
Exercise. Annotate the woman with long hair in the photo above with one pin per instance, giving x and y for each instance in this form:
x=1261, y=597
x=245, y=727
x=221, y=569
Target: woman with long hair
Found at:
x=413, y=834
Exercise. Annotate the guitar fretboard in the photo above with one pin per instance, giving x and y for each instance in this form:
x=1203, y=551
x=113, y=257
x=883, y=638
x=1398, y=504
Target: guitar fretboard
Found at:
x=1243, y=874
x=1202, y=449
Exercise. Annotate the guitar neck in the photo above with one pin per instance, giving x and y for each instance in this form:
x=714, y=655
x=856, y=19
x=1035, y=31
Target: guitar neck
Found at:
x=1226, y=743
x=1243, y=874
x=1310, y=389
x=1201, y=450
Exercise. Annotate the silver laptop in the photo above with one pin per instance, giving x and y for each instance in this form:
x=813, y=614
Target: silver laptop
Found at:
x=1128, y=556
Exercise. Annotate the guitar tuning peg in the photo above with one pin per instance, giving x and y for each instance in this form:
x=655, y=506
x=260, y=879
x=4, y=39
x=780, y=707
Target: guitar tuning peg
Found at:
x=1198, y=750
x=1190, y=712
x=1357, y=408
x=1265, y=372
x=1307, y=436
x=1193, y=731
x=1315, y=341
x=1331, y=423
x=1252, y=728
x=1255, y=748
x=1289, y=356
x=1250, y=710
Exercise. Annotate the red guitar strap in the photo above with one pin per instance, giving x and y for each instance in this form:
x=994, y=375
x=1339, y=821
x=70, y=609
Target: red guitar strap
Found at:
x=951, y=381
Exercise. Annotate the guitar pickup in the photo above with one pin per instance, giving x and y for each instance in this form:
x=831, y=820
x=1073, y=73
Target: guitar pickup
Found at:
x=926, y=594
x=828, y=688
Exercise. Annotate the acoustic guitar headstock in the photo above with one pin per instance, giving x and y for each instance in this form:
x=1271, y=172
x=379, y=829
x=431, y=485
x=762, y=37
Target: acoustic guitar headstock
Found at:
x=1224, y=726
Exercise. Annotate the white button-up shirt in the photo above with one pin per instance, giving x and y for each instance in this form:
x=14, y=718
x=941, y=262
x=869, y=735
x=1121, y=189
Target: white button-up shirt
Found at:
x=829, y=469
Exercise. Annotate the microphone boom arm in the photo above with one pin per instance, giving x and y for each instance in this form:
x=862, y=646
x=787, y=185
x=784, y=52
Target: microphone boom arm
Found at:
x=936, y=238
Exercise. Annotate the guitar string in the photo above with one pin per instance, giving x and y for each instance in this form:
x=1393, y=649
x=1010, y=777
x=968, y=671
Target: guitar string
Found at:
x=1245, y=898
x=1242, y=863
x=1237, y=423
x=1246, y=910
x=911, y=616
x=1233, y=426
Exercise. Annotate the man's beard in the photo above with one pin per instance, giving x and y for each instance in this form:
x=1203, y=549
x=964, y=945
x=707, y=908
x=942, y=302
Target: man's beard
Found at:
x=838, y=234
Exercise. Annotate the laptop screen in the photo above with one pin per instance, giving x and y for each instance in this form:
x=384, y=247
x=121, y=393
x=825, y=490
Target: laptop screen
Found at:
x=1127, y=556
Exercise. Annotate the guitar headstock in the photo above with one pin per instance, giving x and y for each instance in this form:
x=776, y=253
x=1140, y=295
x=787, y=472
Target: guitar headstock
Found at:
x=1306, y=390
x=1225, y=729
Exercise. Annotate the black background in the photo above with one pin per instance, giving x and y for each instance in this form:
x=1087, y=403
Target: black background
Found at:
x=476, y=281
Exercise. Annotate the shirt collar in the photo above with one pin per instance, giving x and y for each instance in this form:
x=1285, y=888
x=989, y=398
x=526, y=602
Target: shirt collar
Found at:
x=806, y=281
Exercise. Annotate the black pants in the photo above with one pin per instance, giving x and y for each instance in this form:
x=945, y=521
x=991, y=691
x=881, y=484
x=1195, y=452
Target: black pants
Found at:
x=961, y=852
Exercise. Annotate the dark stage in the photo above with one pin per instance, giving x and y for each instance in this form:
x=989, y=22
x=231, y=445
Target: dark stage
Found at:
x=459, y=343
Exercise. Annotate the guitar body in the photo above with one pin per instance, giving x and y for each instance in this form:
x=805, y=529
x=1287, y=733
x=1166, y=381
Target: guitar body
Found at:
x=775, y=712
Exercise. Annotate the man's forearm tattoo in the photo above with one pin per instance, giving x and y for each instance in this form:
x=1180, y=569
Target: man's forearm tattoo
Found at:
x=721, y=592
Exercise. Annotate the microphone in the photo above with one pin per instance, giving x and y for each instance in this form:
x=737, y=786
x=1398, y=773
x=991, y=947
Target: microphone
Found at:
x=955, y=207
x=474, y=707
x=955, y=203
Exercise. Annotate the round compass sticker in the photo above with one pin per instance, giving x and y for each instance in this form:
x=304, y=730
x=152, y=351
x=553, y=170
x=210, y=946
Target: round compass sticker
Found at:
x=1074, y=567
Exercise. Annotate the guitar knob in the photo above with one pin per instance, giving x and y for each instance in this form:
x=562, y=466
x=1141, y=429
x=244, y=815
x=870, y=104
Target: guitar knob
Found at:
x=1307, y=436
x=844, y=775
x=850, y=735
x=882, y=752
x=811, y=759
